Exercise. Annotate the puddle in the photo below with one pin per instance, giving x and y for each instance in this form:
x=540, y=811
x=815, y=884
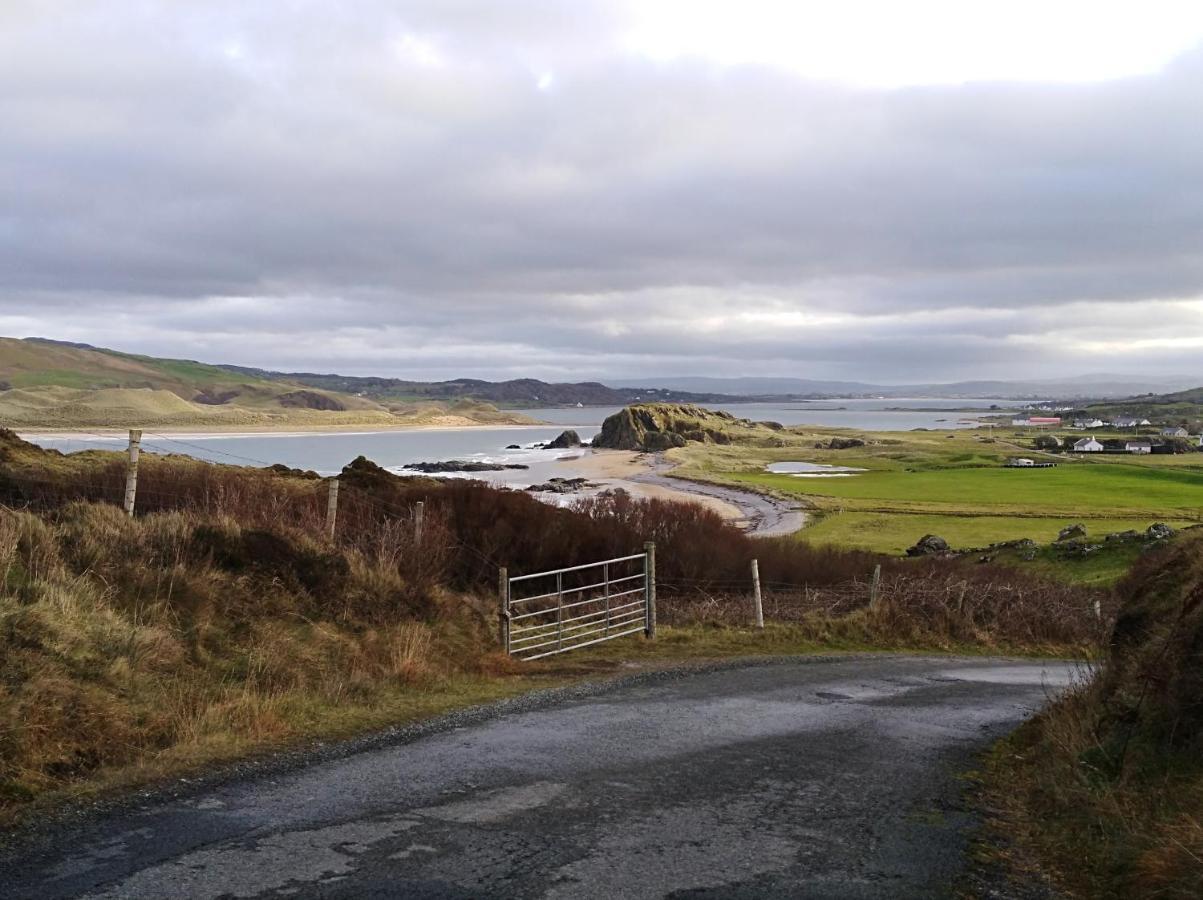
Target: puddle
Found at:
x=812, y=470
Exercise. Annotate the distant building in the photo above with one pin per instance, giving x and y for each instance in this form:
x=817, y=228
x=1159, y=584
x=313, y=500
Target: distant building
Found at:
x=1037, y=422
x=1021, y=462
x=1089, y=423
x=1175, y=432
x=1125, y=422
x=1087, y=445
x=1138, y=447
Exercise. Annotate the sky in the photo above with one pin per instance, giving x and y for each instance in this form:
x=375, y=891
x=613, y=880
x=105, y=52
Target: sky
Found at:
x=869, y=190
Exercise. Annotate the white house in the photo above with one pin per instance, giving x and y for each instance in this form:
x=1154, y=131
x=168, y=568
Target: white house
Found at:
x=1089, y=423
x=1087, y=445
x=1138, y=447
x=1125, y=422
x=1175, y=432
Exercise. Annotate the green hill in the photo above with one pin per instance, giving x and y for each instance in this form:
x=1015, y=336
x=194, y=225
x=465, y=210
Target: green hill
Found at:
x=52, y=384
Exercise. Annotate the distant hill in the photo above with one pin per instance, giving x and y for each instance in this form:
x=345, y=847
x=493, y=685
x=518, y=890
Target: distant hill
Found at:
x=1082, y=386
x=521, y=392
x=55, y=384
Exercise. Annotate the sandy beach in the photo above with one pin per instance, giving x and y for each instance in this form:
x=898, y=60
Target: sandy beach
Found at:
x=649, y=475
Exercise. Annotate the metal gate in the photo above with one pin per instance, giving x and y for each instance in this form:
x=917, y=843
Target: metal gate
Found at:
x=553, y=612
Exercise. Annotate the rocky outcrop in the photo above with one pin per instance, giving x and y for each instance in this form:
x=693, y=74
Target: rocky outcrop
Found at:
x=1159, y=531
x=565, y=441
x=460, y=465
x=929, y=545
x=662, y=426
x=838, y=443
x=561, y=486
x=1071, y=533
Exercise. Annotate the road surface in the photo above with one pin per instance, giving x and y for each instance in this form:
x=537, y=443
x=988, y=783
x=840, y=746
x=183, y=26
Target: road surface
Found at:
x=795, y=778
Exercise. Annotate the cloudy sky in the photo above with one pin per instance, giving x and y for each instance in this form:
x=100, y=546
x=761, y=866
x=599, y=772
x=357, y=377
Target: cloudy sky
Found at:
x=886, y=191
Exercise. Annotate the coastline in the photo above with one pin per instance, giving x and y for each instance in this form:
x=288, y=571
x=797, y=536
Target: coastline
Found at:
x=650, y=476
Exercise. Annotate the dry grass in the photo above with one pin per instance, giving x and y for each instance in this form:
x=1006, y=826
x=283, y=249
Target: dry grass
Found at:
x=222, y=621
x=121, y=639
x=1106, y=786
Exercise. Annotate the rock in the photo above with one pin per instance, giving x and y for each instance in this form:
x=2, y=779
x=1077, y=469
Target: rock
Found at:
x=1071, y=532
x=560, y=486
x=460, y=465
x=928, y=545
x=513, y=447
x=1119, y=536
x=652, y=427
x=838, y=443
x=1159, y=531
x=566, y=439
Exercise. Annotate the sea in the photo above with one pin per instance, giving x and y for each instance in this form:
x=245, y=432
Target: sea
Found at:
x=327, y=452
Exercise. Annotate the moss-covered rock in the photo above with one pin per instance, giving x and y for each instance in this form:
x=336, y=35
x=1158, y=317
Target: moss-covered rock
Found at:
x=662, y=426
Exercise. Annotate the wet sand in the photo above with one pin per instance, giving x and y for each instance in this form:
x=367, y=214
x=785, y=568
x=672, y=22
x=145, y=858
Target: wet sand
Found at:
x=649, y=475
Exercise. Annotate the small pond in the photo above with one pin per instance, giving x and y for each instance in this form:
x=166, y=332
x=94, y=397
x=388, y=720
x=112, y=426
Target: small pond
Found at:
x=812, y=470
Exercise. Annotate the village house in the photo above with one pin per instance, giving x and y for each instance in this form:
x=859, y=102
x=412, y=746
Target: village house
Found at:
x=1125, y=422
x=1087, y=445
x=1037, y=422
x=1175, y=432
x=1138, y=447
x=1089, y=423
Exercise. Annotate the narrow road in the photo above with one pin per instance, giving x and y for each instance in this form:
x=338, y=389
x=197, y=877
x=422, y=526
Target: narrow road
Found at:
x=792, y=778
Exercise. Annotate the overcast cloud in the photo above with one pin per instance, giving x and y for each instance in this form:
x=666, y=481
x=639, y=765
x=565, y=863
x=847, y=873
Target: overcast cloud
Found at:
x=574, y=189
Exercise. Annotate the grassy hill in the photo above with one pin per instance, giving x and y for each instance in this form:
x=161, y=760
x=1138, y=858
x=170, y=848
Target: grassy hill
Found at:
x=51, y=384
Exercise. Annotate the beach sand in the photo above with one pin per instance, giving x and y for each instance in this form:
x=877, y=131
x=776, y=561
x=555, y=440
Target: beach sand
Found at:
x=620, y=468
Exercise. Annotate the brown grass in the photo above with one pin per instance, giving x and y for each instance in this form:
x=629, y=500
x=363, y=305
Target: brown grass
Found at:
x=221, y=620
x=1106, y=786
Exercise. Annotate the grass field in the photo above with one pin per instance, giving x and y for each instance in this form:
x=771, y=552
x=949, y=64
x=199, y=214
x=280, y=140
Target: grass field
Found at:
x=954, y=484
x=1066, y=490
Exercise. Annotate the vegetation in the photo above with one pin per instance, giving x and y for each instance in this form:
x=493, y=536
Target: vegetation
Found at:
x=221, y=620
x=46, y=384
x=663, y=426
x=955, y=484
x=1106, y=786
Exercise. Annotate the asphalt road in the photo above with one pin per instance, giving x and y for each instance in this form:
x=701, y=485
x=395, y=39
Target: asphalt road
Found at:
x=802, y=778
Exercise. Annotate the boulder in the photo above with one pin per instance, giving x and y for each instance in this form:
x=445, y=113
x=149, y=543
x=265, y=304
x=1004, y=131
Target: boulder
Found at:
x=838, y=443
x=928, y=545
x=1159, y=531
x=560, y=486
x=513, y=447
x=459, y=465
x=1121, y=536
x=566, y=440
x=1071, y=533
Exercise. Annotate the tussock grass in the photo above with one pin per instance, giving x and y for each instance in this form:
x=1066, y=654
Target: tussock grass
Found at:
x=1106, y=786
x=223, y=621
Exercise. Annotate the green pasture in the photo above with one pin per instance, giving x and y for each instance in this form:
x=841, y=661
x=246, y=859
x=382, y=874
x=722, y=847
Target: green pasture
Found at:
x=1098, y=490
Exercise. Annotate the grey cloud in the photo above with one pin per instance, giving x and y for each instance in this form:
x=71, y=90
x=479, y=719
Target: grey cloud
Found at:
x=241, y=183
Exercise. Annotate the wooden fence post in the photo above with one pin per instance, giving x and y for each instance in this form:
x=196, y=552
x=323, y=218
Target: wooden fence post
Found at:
x=756, y=594
x=875, y=586
x=131, y=471
x=332, y=508
x=419, y=521
x=503, y=612
x=649, y=589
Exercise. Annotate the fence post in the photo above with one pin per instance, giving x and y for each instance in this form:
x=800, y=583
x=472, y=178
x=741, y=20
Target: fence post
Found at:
x=649, y=589
x=332, y=507
x=559, y=610
x=131, y=470
x=756, y=594
x=503, y=613
x=875, y=586
x=419, y=520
